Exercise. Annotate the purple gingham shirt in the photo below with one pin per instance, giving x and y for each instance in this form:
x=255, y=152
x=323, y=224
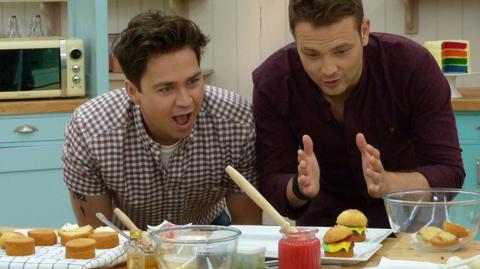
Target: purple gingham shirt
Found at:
x=107, y=149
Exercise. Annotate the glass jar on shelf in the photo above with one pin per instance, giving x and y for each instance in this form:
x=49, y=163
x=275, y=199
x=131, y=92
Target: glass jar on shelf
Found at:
x=13, y=27
x=36, y=27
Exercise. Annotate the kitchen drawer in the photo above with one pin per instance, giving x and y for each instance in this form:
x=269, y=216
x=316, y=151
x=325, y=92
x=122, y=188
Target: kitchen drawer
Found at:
x=468, y=125
x=33, y=128
x=31, y=158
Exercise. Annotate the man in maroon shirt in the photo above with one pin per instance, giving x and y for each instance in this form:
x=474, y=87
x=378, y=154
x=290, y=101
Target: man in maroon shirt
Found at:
x=371, y=111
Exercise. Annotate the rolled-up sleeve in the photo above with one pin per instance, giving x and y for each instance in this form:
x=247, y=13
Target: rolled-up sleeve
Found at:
x=434, y=130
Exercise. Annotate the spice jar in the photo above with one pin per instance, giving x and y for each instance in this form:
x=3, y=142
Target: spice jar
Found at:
x=134, y=250
x=300, y=249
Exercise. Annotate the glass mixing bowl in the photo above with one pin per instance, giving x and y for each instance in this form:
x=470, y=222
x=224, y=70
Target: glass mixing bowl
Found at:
x=195, y=247
x=434, y=219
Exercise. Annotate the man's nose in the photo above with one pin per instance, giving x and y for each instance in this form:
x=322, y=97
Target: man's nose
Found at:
x=183, y=98
x=329, y=67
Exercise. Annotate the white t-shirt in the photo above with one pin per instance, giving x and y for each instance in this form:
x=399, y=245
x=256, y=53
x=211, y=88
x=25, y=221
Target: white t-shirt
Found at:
x=166, y=152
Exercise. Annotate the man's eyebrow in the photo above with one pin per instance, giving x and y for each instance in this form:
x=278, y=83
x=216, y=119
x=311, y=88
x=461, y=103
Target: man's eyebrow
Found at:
x=196, y=75
x=343, y=45
x=170, y=83
x=163, y=83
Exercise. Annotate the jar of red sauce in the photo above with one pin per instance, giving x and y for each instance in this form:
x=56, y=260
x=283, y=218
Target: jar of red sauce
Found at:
x=299, y=250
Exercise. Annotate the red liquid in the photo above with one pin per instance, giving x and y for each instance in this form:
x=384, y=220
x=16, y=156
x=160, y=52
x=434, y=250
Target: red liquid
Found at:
x=299, y=254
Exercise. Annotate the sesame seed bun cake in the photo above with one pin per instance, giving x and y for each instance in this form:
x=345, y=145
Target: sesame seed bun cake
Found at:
x=355, y=220
x=337, y=242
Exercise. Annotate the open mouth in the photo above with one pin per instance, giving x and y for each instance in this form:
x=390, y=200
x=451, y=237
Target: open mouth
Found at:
x=183, y=119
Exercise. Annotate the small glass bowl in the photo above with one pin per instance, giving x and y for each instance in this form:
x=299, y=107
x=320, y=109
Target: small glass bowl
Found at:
x=195, y=246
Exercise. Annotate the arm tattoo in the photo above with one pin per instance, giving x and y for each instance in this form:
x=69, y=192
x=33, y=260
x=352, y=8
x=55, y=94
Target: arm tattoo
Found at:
x=81, y=198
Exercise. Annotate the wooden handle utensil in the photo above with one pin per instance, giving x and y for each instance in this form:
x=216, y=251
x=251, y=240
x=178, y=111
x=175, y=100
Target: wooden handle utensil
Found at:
x=131, y=226
x=256, y=197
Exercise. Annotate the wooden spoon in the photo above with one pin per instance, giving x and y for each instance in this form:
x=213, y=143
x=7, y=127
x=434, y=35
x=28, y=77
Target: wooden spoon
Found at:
x=256, y=197
x=130, y=225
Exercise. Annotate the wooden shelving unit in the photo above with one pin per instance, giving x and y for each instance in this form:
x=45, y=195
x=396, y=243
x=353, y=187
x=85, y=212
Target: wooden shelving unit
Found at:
x=53, y=12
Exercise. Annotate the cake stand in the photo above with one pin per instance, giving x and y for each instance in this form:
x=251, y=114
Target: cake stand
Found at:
x=452, y=78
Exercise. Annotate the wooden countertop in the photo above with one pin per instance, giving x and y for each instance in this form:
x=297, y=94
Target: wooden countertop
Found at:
x=393, y=248
x=469, y=102
x=399, y=249
x=18, y=107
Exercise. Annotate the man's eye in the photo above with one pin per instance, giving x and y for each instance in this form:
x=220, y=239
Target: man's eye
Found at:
x=166, y=89
x=311, y=54
x=193, y=81
x=341, y=51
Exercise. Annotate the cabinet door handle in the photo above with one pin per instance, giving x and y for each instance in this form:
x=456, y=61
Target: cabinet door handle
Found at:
x=478, y=171
x=26, y=129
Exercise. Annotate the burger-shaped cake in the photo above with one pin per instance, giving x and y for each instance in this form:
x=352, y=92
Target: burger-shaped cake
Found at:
x=337, y=242
x=356, y=221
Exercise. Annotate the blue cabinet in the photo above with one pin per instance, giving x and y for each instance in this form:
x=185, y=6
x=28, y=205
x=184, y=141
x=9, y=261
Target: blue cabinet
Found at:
x=32, y=190
x=468, y=124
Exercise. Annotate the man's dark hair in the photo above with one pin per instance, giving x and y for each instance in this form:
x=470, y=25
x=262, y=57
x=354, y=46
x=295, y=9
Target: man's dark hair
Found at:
x=149, y=34
x=324, y=12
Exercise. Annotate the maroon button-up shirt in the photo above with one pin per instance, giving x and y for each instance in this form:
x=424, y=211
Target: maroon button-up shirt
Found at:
x=401, y=105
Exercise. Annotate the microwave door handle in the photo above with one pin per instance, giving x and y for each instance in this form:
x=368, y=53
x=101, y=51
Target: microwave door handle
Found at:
x=26, y=129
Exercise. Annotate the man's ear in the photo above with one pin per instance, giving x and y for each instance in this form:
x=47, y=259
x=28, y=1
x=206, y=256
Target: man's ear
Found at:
x=132, y=91
x=365, y=31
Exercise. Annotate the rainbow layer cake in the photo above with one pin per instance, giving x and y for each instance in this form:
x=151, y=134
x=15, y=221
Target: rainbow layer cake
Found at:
x=453, y=56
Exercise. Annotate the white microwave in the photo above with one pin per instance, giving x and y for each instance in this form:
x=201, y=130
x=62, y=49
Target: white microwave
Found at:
x=41, y=68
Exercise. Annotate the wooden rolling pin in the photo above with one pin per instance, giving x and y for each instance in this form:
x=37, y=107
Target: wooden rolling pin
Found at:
x=256, y=197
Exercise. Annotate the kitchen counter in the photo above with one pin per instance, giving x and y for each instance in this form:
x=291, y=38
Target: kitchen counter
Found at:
x=398, y=249
x=393, y=248
x=16, y=107
x=469, y=102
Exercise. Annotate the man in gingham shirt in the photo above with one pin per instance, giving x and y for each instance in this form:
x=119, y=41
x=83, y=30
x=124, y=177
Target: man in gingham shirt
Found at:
x=158, y=148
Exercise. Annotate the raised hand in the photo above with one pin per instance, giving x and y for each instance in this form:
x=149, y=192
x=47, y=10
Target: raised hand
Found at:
x=308, y=169
x=373, y=172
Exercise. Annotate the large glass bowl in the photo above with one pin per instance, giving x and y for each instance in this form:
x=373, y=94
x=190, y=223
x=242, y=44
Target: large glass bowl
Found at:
x=195, y=247
x=410, y=212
